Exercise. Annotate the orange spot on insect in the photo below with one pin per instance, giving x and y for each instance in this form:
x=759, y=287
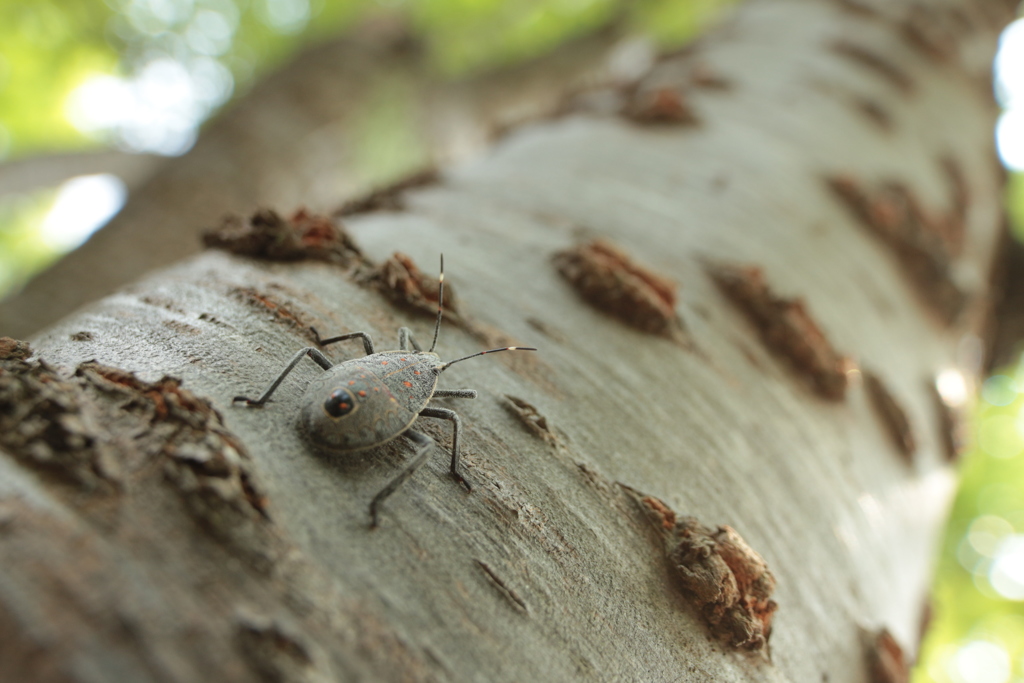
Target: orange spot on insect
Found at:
x=376, y=388
x=383, y=362
x=415, y=372
x=362, y=393
x=351, y=382
x=408, y=384
x=401, y=359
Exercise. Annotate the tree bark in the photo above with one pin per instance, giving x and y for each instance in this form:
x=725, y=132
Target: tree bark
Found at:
x=299, y=139
x=819, y=180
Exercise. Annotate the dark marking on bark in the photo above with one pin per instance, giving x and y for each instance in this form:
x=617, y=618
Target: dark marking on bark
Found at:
x=181, y=327
x=930, y=31
x=275, y=653
x=390, y=197
x=953, y=224
x=726, y=580
x=529, y=416
x=14, y=349
x=891, y=413
x=886, y=661
x=923, y=244
x=267, y=235
x=660, y=106
x=704, y=76
x=614, y=283
x=503, y=588
x=82, y=336
x=547, y=330
x=279, y=311
x=859, y=8
x=786, y=328
x=874, y=112
x=163, y=302
x=401, y=280
x=952, y=421
x=881, y=66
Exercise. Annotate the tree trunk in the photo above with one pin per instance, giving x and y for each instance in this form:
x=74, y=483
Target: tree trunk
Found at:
x=301, y=137
x=819, y=180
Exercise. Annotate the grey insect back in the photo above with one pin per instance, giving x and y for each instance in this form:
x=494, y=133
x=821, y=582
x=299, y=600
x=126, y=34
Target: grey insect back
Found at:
x=366, y=402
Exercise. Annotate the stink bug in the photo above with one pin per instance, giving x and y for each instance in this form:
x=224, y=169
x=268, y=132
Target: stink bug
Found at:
x=365, y=402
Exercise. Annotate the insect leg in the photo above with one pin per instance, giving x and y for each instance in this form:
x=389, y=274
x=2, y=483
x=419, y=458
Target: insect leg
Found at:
x=445, y=414
x=318, y=357
x=405, y=338
x=367, y=342
x=454, y=393
x=423, y=446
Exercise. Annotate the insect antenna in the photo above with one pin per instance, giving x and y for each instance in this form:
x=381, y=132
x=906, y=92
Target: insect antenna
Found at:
x=474, y=355
x=440, y=304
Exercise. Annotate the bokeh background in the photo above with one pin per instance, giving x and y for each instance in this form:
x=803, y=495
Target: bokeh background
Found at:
x=137, y=79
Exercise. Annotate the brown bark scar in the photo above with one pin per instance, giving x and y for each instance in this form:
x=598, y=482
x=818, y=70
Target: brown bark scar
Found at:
x=14, y=349
x=876, y=63
x=886, y=660
x=924, y=244
x=891, y=413
x=402, y=281
x=503, y=588
x=929, y=31
x=786, y=328
x=529, y=416
x=727, y=581
x=390, y=197
x=874, y=112
x=275, y=652
x=59, y=425
x=267, y=235
x=660, y=106
x=609, y=279
x=279, y=311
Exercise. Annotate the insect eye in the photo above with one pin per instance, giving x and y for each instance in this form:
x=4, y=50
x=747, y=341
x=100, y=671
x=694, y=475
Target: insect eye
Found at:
x=339, y=403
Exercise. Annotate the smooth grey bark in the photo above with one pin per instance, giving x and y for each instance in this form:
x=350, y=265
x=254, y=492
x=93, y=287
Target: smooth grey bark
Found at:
x=547, y=570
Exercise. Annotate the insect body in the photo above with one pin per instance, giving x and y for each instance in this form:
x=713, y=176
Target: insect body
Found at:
x=366, y=402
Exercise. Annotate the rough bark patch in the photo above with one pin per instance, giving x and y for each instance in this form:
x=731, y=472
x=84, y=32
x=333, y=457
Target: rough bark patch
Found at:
x=727, y=581
x=923, y=243
x=529, y=416
x=786, y=328
x=891, y=413
x=68, y=427
x=885, y=659
x=49, y=424
x=390, y=197
x=268, y=236
x=402, y=281
x=606, y=276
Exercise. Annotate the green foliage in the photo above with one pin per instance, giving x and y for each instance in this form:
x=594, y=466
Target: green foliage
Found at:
x=972, y=605
x=46, y=48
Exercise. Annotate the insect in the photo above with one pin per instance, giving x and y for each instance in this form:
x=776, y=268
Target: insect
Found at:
x=365, y=402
